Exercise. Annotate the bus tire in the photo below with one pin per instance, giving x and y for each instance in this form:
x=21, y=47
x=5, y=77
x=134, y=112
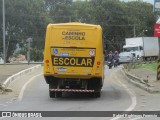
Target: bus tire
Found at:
x=58, y=94
x=51, y=94
x=97, y=94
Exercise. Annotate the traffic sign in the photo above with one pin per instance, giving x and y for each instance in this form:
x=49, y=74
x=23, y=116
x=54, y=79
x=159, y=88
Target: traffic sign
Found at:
x=156, y=5
x=157, y=30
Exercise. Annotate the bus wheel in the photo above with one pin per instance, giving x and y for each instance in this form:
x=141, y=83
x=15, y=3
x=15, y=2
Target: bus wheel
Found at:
x=97, y=94
x=52, y=94
x=91, y=95
x=58, y=94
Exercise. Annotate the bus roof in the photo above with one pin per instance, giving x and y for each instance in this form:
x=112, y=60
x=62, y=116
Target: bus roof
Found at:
x=74, y=24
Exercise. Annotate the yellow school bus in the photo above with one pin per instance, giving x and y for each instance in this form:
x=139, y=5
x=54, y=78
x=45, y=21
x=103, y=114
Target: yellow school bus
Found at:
x=73, y=58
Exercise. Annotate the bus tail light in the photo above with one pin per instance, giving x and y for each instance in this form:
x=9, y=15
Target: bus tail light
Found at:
x=98, y=63
x=47, y=61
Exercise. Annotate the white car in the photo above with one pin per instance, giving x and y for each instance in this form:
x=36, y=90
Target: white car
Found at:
x=125, y=57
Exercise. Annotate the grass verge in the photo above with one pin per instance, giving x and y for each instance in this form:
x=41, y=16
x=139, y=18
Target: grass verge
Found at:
x=151, y=66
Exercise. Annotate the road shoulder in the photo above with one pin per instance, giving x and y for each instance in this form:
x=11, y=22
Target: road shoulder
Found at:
x=10, y=97
x=4, y=85
x=151, y=87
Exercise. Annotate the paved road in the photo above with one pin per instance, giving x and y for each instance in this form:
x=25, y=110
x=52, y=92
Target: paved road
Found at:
x=8, y=70
x=117, y=95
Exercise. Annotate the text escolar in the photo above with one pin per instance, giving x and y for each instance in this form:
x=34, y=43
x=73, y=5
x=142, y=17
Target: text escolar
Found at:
x=73, y=61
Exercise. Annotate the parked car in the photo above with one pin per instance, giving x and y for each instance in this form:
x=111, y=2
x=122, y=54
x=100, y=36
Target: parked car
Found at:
x=125, y=57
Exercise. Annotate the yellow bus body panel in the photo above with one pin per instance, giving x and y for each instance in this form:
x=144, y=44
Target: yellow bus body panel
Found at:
x=73, y=50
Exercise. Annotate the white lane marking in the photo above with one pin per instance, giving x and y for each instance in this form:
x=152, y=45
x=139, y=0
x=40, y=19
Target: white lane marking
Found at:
x=24, y=87
x=141, y=95
x=10, y=79
x=131, y=94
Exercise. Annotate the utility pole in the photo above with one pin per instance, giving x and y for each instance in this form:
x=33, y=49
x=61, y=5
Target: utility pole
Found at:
x=134, y=30
x=29, y=40
x=4, y=32
x=70, y=18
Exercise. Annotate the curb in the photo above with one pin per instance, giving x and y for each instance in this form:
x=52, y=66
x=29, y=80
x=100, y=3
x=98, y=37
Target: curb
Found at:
x=6, y=83
x=139, y=82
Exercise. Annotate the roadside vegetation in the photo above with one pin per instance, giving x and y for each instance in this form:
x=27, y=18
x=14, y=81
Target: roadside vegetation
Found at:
x=151, y=66
x=29, y=19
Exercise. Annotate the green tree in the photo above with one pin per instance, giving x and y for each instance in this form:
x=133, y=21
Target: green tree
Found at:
x=24, y=19
x=82, y=11
x=110, y=15
x=59, y=10
x=29, y=18
x=118, y=18
x=141, y=14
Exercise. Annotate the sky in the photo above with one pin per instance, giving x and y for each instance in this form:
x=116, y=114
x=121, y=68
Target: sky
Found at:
x=150, y=1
